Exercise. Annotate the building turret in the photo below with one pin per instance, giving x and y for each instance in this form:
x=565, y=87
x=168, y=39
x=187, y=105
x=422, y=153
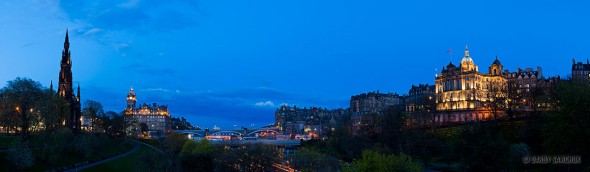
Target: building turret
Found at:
x=496, y=67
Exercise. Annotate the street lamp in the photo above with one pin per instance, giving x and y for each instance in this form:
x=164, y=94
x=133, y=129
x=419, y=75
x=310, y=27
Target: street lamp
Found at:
x=17, y=108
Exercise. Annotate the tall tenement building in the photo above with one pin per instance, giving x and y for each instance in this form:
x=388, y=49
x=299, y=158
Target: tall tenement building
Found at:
x=581, y=71
x=522, y=85
x=155, y=117
x=65, y=89
x=420, y=98
x=373, y=102
x=465, y=93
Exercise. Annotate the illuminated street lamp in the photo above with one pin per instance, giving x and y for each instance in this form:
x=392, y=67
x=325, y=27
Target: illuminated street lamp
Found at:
x=17, y=108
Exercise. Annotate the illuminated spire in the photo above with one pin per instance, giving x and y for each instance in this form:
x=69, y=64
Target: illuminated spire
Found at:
x=466, y=50
x=466, y=58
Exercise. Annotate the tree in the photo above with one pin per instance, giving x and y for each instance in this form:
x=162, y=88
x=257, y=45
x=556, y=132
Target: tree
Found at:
x=514, y=97
x=370, y=124
x=392, y=125
x=374, y=161
x=310, y=159
x=173, y=143
x=197, y=156
x=93, y=110
x=250, y=157
x=113, y=124
x=24, y=95
x=8, y=116
x=496, y=98
x=143, y=127
x=484, y=146
x=54, y=110
x=20, y=155
x=566, y=129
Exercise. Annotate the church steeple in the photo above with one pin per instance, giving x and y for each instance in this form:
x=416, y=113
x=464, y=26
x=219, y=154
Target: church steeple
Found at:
x=51, y=86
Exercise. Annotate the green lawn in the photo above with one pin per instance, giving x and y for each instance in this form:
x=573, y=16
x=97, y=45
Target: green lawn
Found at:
x=126, y=163
x=149, y=142
x=6, y=140
x=115, y=148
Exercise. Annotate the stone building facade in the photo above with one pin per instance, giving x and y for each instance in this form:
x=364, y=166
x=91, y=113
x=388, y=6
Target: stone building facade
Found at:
x=373, y=102
x=314, y=121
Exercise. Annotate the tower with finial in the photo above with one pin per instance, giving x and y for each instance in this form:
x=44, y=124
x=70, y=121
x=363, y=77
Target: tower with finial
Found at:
x=131, y=100
x=65, y=89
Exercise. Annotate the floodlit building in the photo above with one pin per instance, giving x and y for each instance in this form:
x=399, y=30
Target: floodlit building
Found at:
x=156, y=117
x=466, y=93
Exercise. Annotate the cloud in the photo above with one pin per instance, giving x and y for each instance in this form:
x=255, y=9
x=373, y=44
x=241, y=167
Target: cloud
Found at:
x=156, y=89
x=263, y=104
x=135, y=15
x=120, y=47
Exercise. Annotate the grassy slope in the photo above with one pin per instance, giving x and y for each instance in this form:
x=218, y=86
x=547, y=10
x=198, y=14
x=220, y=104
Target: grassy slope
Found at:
x=126, y=163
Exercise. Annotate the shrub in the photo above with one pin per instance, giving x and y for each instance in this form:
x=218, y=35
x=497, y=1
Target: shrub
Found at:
x=20, y=155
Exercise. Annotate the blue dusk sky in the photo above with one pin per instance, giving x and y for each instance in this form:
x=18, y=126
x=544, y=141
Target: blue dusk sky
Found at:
x=229, y=63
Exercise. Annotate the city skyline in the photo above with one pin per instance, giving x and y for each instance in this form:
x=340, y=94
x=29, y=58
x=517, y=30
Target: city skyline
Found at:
x=208, y=65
